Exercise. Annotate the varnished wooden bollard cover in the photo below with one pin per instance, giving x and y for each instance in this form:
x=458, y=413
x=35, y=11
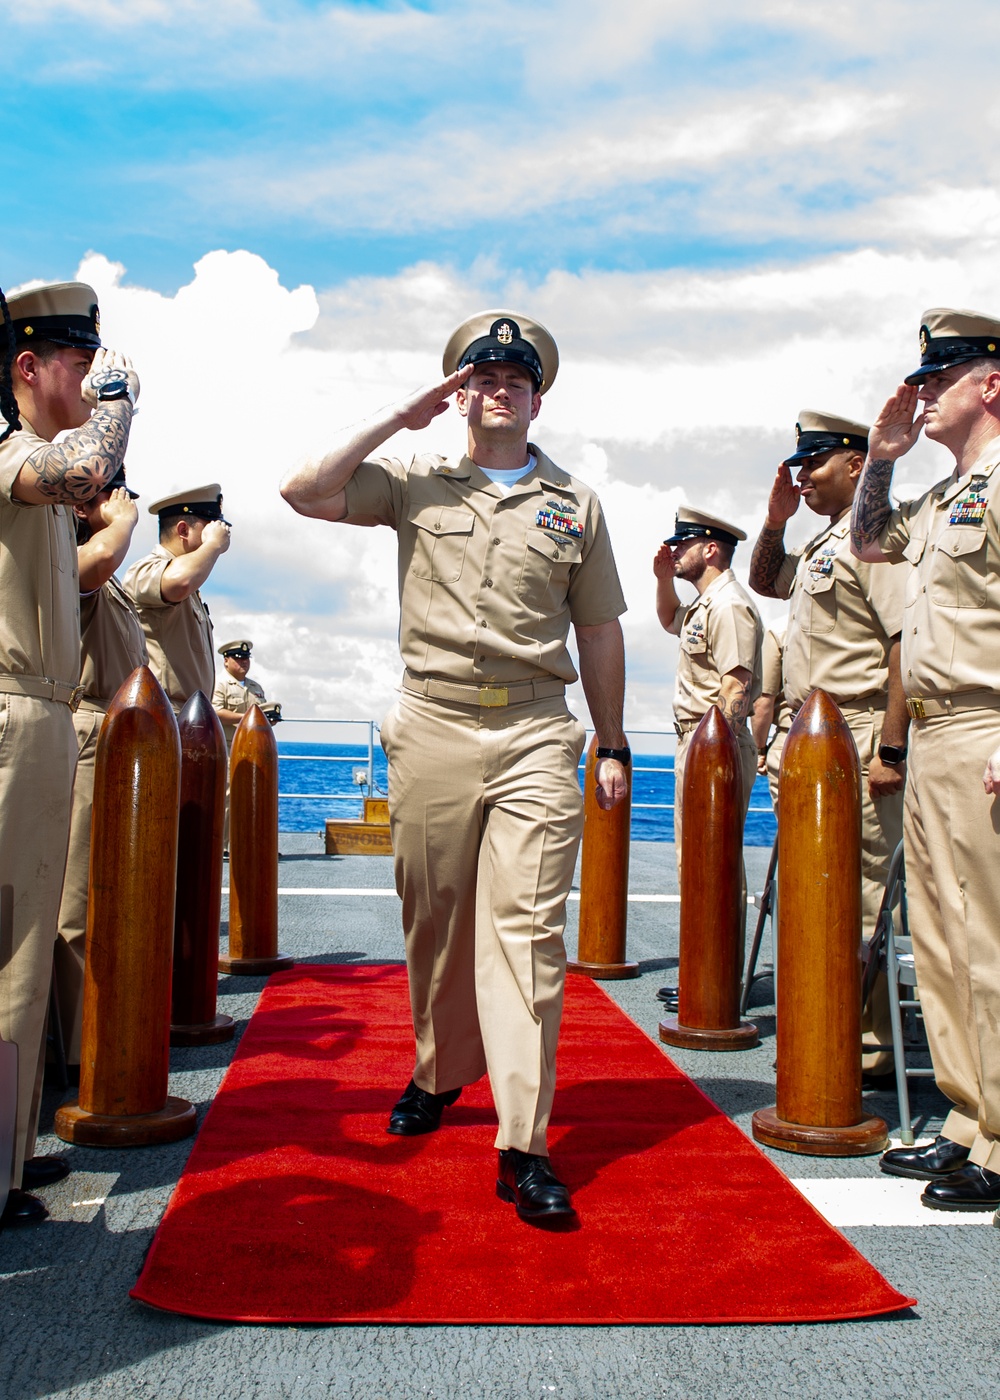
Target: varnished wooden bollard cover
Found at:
x=253, y=850
x=708, y=1016
x=603, y=883
x=819, y=1110
x=125, y=1052
x=193, y=1018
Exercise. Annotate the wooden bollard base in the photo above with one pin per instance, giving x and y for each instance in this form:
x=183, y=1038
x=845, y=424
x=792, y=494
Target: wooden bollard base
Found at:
x=255, y=967
x=210, y=1033
x=604, y=972
x=177, y=1119
x=741, y=1037
x=862, y=1139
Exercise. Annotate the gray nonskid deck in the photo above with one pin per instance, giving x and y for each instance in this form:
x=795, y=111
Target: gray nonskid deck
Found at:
x=69, y=1328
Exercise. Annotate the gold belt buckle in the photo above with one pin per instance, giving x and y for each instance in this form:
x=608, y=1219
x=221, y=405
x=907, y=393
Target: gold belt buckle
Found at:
x=915, y=707
x=492, y=696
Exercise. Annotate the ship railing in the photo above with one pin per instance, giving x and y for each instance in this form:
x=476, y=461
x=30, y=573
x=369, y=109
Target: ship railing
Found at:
x=364, y=777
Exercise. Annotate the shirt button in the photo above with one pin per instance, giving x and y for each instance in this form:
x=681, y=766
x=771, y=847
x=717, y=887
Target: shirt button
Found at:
x=484, y=623
x=489, y=583
x=496, y=539
x=437, y=525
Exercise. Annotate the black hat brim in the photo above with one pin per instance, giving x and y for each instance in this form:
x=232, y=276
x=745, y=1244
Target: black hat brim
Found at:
x=946, y=362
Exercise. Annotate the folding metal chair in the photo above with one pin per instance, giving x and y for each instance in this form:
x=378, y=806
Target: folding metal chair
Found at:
x=893, y=955
x=766, y=906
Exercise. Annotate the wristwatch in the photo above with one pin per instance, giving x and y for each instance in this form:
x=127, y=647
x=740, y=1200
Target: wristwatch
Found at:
x=622, y=755
x=114, y=389
x=888, y=753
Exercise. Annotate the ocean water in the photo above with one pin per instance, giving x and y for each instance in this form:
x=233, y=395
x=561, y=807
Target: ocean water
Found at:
x=330, y=768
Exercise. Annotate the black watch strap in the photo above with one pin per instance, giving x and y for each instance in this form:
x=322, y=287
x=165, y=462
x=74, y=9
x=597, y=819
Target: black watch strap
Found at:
x=622, y=755
x=888, y=753
x=114, y=389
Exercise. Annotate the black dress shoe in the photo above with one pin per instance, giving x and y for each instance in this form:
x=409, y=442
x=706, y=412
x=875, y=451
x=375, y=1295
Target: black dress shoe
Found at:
x=668, y=994
x=528, y=1183
x=418, y=1111
x=43, y=1171
x=939, y=1158
x=970, y=1188
x=22, y=1209
x=878, y=1083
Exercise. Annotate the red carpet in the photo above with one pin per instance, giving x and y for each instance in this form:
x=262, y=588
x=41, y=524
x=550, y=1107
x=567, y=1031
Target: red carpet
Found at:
x=297, y=1206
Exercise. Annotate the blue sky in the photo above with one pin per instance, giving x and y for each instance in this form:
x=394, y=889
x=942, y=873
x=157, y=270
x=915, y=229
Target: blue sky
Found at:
x=339, y=140
x=725, y=213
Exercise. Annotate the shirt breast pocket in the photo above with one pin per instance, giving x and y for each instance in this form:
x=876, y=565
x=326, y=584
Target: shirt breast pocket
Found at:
x=546, y=568
x=441, y=538
x=958, y=568
x=820, y=604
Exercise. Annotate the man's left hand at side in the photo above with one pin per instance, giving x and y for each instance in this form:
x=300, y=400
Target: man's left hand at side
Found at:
x=885, y=779
x=612, y=783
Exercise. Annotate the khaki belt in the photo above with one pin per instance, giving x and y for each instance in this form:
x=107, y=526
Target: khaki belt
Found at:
x=927, y=706
x=484, y=696
x=42, y=688
x=870, y=705
x=685, y=726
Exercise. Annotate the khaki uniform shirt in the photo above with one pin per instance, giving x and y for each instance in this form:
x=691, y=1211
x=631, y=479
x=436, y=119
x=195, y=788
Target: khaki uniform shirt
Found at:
x=238, y=696
x=178, y=635
x=719, y=631
x=771, y=675
x=951, y=623
x=489, y=583
x=112, y=643
x=843, y=618
x=39, y=582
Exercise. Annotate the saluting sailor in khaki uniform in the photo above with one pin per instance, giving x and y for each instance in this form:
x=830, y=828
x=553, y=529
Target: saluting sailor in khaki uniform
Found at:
x=52, y=379
x=843, y=637
x=499, y=552
x=164, y=588
x=233, y=695
x=112, y=646
x=721, y=635
x=951, y=676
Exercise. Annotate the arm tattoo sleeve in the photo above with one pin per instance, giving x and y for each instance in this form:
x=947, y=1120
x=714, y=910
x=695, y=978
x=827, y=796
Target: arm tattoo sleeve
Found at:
x=735, y=707
x=76, y=469
x=766, y=561
x=871, y=509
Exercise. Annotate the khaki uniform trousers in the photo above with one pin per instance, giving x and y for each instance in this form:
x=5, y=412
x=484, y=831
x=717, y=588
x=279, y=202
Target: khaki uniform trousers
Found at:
x=486, y=815
x=37, y=759
x=881, y=833
x=72, y=940
x=748, y=768
x=952, y=835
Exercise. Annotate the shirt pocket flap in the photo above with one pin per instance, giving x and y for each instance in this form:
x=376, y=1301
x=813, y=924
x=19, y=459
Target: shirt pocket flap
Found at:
x=561, y=549
x=914, y=550
x=818, y=583
x=442, y=520
x=961, y=540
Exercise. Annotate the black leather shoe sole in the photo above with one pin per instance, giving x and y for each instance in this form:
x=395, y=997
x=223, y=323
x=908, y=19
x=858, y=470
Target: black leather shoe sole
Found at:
x=553, y=1212
x=22, y=1209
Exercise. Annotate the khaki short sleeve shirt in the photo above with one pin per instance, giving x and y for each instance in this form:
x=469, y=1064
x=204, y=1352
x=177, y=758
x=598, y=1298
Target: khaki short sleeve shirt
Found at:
x=719, y=632
x=178, y=635
x=39, y=582
x=489, y=583
x=843, y=618
x=238, y=696
x=112, y=639
x=951, y=619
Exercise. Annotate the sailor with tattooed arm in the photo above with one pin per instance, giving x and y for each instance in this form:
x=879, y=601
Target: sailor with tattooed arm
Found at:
x=950, y=665
x=56, y=379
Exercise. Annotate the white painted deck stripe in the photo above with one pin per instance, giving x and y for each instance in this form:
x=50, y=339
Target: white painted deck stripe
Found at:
x=883, y=1201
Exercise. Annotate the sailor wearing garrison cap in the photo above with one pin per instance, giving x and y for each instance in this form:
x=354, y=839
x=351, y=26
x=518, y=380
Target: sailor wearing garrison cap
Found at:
x=165, y=590
x=843, y=637
x=499, y=552
x=950, y=661
x=55, y=380
x=720, y=634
